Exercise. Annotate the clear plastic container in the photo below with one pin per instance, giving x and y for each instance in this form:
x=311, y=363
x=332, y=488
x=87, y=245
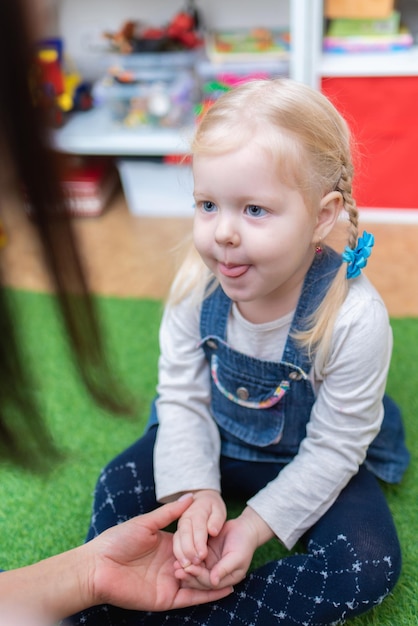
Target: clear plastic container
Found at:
x=164, y=60
x=151, y=96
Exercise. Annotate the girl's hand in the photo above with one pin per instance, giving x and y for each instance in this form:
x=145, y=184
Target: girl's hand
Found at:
x=229, y=555
x=204, y=518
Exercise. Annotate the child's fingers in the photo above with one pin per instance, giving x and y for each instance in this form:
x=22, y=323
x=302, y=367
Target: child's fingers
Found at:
x=184, y=548
x=190, y=541
x=216, y=521
x=228, y=571
x=194, y=576
x=184, y=573
x=200, y=538
x=177, y=565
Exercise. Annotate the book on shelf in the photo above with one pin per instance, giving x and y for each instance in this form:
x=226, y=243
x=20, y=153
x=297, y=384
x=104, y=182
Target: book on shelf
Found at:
x=358, y=8
x=367, y=35
x=377, y=43
x=253, y=44
x=365, y=27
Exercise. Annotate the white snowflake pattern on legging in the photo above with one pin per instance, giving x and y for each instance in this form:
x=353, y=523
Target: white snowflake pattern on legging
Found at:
x=276, y=594
x=351, y=557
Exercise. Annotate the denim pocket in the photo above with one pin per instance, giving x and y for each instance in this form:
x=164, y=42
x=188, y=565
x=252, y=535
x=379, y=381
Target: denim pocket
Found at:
x=248, y=408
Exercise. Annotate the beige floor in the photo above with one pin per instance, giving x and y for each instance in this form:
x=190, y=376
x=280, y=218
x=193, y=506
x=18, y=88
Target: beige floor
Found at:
x=128, y=255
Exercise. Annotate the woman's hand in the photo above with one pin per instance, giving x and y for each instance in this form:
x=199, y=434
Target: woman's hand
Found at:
x=132, y=565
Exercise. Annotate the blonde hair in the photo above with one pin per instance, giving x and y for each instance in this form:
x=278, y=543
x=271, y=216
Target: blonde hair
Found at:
x=311, y=149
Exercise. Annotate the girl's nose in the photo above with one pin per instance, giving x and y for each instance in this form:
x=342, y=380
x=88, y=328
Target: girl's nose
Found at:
x=226, y=233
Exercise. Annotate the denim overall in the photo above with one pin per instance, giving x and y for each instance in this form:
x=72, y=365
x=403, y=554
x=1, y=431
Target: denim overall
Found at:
x=351, y=558
x=262, y=407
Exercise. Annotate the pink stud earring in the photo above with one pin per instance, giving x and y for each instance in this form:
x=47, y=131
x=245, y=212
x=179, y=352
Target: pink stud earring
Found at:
x=318, y=249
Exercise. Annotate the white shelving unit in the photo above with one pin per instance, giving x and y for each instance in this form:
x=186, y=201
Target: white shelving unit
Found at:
x=402, y=63
x=370, y=65
x=399, y=63
x=94, y=133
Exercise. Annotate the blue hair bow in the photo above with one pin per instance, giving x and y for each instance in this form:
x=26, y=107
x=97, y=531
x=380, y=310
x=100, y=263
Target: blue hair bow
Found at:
x=357, y=258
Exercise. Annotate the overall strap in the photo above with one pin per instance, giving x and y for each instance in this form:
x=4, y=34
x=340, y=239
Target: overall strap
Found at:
x=316, y=284
x=216, y=306
x=214, y=314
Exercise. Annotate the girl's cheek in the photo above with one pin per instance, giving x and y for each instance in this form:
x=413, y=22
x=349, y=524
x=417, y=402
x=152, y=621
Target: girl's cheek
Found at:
x=200, y=234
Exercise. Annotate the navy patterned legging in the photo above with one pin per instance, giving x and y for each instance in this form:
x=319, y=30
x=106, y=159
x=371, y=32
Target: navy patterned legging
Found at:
x=352, y=559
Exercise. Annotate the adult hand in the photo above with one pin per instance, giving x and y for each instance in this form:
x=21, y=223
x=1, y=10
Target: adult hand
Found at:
x=132, y=565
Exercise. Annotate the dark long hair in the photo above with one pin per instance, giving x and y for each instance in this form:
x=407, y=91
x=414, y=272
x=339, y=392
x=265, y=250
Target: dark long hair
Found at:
x=24, y=140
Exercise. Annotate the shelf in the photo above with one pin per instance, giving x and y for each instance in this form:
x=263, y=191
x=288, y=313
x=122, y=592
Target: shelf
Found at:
x=95, y=133
x=401, y=63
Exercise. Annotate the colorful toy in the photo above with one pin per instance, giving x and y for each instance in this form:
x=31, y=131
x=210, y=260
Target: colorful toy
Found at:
x=224, y=81
x=57, y=86
x=181, y=33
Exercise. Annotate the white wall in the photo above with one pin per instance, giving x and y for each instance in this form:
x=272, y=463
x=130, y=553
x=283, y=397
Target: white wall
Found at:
x=82, y=22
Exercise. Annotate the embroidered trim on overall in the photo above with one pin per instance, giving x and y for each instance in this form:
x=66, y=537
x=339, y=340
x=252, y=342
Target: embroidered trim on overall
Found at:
x=262, y=404
x=215, y=340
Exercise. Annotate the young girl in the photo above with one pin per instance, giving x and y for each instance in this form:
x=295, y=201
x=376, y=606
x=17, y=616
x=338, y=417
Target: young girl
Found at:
x=274, y=357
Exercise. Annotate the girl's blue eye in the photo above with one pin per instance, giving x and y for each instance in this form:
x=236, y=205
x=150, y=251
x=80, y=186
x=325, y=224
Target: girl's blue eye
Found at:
x=255, y=211
x=208, y=206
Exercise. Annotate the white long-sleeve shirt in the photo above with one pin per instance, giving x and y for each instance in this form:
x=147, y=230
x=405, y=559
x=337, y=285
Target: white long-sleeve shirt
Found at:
x=345, y=417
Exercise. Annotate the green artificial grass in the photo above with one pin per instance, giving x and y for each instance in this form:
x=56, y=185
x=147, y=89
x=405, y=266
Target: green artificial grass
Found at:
x=43, y=515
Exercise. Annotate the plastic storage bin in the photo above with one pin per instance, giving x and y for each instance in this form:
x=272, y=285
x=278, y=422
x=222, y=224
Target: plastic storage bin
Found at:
x=153, y=97
x=163, y=60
